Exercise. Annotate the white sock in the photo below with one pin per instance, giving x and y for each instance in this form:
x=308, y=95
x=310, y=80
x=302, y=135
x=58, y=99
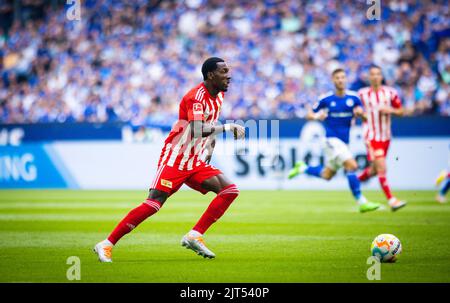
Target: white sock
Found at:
x=194, y=233
x=107, y=242
x=361, y=200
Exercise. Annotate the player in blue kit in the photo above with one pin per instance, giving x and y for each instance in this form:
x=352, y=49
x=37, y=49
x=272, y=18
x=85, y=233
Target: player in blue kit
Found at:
x=337, y=110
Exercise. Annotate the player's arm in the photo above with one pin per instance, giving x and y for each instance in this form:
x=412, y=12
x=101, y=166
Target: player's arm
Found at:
x=359, y=112
x=210, y=149
x=317, y=113
x=201, y=129
x=358, y=109
x=396, y=107
x=390, y=110
x=319, y=116
x=394, y=111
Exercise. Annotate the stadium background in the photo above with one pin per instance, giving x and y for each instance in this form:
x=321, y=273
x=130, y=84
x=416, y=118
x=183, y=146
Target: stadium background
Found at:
x=87, y=103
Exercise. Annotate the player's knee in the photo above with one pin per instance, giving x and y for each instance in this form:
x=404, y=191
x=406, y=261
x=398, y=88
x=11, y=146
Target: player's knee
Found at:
x=380, y=168
x=351, y=166
x=327, y=177
x=327, y=174
x=157, y=195
x=231, y=191
x=381, y=173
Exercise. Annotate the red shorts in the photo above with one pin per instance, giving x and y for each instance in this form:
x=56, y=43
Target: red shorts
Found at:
x=377, y=149
x=170, y=179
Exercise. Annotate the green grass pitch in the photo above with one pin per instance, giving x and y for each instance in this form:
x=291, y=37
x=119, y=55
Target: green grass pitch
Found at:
x=266, y=236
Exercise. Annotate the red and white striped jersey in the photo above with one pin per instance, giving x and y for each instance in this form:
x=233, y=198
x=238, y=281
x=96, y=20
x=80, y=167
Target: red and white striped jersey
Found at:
x=378, y=126
x=180, y=149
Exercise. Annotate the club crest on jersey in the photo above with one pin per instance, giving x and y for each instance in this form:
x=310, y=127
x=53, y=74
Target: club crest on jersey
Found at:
x=333, y=103
x=197, y=108
x=349, y=102
x=166, y=183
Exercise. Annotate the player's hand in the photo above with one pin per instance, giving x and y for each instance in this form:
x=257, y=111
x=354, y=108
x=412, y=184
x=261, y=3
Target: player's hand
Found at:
x=210, y=150
x=238, y=131
x=385, y=110
x=322, y=115
x=358, y=111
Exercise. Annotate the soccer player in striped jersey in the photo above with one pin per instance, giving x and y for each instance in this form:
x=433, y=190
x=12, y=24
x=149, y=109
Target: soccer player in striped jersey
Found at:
x=380, y=102
x=181, y=162
x=337, y=111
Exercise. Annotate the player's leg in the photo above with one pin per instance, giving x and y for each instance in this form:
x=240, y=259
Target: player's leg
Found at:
x=158, y=194
x=136, y=216
x=369, y=171
x=341, y=156
x=318, y=171
x=326, y=173
x=380, y=168
x=442, y=176
x=208, y=179
x=226, y=193
x=299, y=168
x=350, y=167
x=441, y=197
x=149, y=207
x=331, y=153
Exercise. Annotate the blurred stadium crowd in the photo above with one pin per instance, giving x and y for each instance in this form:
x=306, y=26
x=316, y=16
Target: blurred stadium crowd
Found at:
x=132, y=61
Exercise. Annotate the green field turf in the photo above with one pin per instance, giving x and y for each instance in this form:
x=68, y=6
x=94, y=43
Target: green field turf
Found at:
x=266, y=236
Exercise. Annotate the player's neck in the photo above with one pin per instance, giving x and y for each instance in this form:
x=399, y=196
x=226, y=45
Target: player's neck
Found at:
x=211, y=90
x=340, y=92
x=376, y=87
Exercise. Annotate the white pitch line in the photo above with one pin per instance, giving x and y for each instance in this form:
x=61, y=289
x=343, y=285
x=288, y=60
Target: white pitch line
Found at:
x=86, y=205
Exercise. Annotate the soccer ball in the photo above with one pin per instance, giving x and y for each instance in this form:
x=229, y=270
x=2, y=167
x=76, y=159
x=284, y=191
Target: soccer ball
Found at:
x=386, y=248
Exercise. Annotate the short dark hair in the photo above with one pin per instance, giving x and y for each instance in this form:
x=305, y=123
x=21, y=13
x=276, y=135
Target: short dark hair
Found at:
x=210, y=65
x=337, y=70
x=374, y=66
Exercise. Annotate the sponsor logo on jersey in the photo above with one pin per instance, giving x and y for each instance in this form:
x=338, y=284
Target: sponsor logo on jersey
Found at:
x=379, y=152
x=341, y=115
x=197, y=108
x=166, y=183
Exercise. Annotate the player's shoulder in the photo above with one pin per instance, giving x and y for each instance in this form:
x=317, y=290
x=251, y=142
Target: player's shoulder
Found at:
x=363, y=90
x=221, y=95
x=351, y=93
x=196, y=94
x=390, y=89
x=326, y=96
